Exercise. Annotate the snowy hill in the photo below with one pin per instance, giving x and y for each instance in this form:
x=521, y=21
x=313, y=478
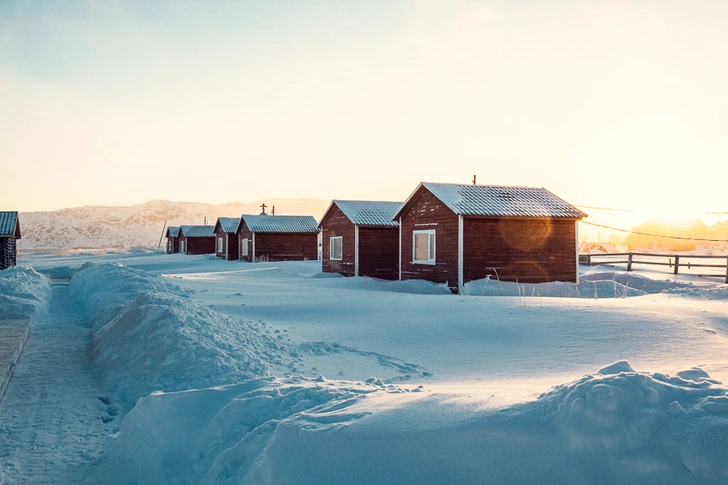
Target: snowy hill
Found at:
x=139, y=225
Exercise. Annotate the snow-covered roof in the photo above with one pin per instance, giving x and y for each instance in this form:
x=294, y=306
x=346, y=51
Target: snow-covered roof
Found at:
x=228, y=224
x=499, y=200
x=266, y=223
x=9, y=225
x=173, y=231
x=369, y=213
x=197, y=231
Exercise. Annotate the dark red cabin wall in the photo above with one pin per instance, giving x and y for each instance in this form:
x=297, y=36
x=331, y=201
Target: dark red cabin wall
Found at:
x=172, y=245
x=232, y=246
x=200, y=245
x=285, y=246
x=379, y=252
x=229, y=245
x=219, y=233
x=337, y=224
x=427, y=212
x=243, y=233
x=8, y=252
x=524, y=250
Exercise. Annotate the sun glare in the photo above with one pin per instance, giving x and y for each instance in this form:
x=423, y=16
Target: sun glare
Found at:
x=668, y=212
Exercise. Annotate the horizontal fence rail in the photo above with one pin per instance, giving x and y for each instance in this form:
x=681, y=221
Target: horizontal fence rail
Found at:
x=674, y=261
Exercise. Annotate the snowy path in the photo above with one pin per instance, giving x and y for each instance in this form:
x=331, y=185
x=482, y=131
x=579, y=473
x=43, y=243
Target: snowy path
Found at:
x=50, y=417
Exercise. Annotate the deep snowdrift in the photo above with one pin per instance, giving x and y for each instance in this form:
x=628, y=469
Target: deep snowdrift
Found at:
x=24, y=293
x=617, y=426
x=150, y=336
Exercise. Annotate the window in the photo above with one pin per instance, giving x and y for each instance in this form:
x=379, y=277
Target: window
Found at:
x=219, y=245
x=245, y=247
x=423, y=246
x=335, y=248
x=181, y=246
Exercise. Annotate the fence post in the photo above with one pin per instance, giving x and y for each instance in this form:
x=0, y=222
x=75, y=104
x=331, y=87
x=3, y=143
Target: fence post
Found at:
x=629, y=262
x=726, y=271
x=677, y=262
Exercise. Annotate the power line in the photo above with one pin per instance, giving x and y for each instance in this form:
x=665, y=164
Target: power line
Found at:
x=604, y=208
x=613, y=209
x=654, y=235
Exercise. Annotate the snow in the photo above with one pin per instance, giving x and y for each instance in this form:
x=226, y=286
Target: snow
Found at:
x=23, y=293
x=150, y=368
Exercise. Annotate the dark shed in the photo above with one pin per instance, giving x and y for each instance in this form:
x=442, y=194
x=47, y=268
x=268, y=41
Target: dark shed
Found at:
x=457, y=233
x=359, y=238
x=172, y=239
x=226, y=234
x=9, y=233
x=196, y=240
x=278, y=238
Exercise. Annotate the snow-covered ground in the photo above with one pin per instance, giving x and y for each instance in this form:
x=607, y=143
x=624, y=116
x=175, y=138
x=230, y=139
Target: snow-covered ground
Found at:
x=150, y=368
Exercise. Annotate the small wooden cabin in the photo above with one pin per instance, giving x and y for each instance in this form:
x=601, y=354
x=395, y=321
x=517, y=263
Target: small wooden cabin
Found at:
x=9, y=234
x=457, y=233
x=359, y=238
x=278, y=238
x=226, y=237
x=172, y=239
x=196, y=240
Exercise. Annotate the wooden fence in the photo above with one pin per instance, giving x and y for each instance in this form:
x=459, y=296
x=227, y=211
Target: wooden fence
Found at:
x=674, y=261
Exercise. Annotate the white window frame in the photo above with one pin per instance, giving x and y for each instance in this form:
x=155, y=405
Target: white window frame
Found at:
x=340, y=239
x=220, y=245
x=181, y=246
x=431, y=246
x=244, y=248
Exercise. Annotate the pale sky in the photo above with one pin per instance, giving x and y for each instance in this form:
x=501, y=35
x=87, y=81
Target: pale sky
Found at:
x=605, y=103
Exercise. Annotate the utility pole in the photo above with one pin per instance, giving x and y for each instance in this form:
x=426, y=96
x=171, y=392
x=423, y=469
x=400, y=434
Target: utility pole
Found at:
x=160, y=237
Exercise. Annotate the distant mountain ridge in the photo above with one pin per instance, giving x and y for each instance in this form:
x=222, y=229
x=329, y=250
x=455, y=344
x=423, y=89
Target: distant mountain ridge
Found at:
x=139, y=225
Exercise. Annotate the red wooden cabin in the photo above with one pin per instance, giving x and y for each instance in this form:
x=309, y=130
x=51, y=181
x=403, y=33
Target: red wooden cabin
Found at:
x=172, y=239
x=278, y=238
x=196, y=240
x=359, y=238
x=226, y=237
x=457, y=233
x=9, y=233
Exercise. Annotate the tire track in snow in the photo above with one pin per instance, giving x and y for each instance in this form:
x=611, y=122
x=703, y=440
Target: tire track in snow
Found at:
x=51, y=423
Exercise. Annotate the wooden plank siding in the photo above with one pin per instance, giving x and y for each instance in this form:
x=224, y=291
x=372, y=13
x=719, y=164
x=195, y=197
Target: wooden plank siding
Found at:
x=378, y=252
x=198, y=245
x=244, y=233
x=337, y=224
x=523, y=250
x=428, y=212
x=286, y=246
x=172, y=245
x=279, y=246
x=229, y=244
x=8, y=252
